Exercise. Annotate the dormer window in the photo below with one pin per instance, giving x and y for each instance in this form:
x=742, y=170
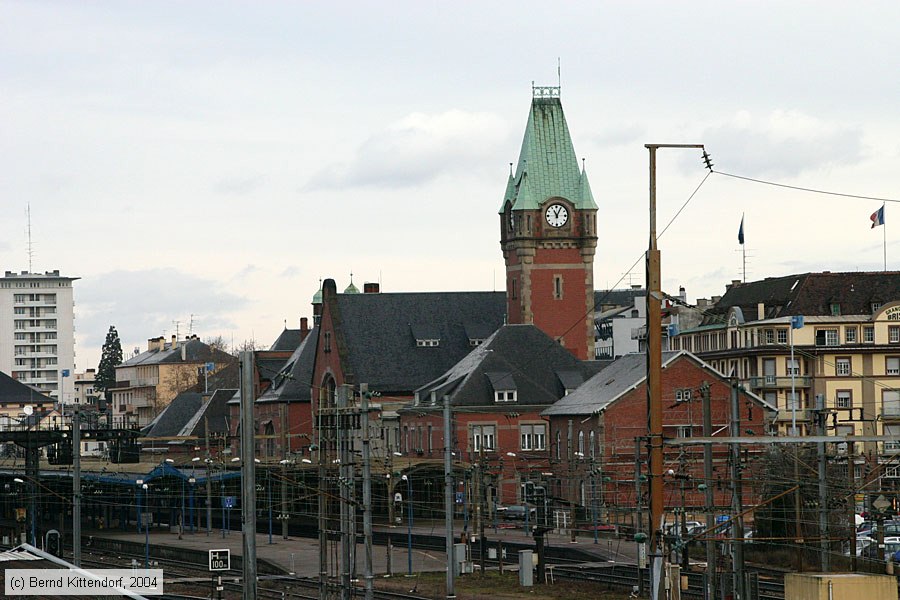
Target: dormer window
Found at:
x=428, y=343
x=835, y=308
x=875, y=306
x=476, y=342
x=504, y=387
x=505, y=396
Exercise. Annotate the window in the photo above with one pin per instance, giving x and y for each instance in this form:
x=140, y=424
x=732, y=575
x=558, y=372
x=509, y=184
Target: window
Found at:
x=581, y=444
x=875, y=306
x=826, y=337
x=591, y=442
x=868, y=334
x=894, y=334
x=512, y=288
x=327, y=339
x=890, y=403
x=557, y=287
x=843, y=399
x=849, y=335
x=792, y=401
x=684, y=431
x=428, y=343
x=792, y=366
x=782, y=336
x=892, y=445
x=558, y=444
x=484, y=436
x=892, y=365
x=505, y=396
x=835, y=309
x=682, y=395
x=842, y=366
x=770, y=336
x=533, y=437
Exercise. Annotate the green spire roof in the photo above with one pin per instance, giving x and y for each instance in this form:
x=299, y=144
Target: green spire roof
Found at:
x=547, y=165
x=317, y=297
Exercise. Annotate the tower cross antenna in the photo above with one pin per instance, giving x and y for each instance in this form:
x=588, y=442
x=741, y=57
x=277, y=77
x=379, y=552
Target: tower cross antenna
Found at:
x=28, y=234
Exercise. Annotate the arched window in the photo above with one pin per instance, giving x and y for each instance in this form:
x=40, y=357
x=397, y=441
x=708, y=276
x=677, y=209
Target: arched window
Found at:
x=581, y=444
x=592, y=445
x=558, y=444
x=269, y=431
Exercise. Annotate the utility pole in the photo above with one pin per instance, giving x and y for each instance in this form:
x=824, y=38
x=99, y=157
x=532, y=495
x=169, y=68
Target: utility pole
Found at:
x=851, y=501
x=448, y=500
x=76, y=488
x=248, y=476
x=368, y=577
x=823, y=486
x=639, y=526
x=323, y=504
x=710, y=493
x=284, y=473
x=737, y=521
x=208, y=477
x=654, y=381
x=344, y=486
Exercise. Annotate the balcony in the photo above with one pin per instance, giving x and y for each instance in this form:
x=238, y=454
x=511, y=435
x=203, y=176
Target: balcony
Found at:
x=773, y=382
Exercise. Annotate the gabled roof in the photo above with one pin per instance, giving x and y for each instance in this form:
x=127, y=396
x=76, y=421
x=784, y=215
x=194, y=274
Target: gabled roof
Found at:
x=294, y=380
x=548, y=166
x=516, y=357
x=620, y=377
x=214, y=412
x=810, y=294
x=194, y=351
x=13, y=391
x=175, y=416
x=376, y=333
x=287, y=341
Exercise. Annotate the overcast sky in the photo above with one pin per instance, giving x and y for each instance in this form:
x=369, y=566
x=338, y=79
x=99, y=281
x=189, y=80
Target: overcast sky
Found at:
x=217, y=159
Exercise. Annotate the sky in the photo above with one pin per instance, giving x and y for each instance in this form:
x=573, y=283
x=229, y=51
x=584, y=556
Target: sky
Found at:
x=201, y=165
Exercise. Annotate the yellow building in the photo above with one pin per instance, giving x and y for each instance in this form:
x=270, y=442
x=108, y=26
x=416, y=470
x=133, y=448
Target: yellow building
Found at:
x=147, y=382
x=844, y=331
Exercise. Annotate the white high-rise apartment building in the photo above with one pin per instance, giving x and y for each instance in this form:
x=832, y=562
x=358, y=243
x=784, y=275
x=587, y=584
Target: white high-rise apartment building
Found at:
x=37, y=330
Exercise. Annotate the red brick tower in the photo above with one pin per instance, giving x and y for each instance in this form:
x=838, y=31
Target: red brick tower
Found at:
x=548, y=232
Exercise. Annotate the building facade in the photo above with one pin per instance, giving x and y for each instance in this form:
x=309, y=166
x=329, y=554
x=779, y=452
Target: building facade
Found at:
x=37, y=329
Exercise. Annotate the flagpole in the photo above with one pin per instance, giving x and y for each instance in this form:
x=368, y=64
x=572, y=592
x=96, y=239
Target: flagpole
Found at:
x=884, y=227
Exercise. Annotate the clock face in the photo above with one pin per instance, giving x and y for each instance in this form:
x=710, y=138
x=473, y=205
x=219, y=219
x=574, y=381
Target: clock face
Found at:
x=557, y=215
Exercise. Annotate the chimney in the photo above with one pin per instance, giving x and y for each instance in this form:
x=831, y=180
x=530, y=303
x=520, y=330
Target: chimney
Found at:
x=682, y=294
x=174, y=342
x=183, y=352
x=760, y=311
x=371, y=288
x=304, y=328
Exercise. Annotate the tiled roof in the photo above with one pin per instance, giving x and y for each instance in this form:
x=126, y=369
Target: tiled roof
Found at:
x=616, y=298
x=517, y=357
x=811, y=294
x=379, y=333
x=194, y=351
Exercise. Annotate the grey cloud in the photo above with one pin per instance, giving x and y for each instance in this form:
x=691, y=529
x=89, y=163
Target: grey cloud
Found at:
x=144, y=303
x=785, y=144
x=238, y=186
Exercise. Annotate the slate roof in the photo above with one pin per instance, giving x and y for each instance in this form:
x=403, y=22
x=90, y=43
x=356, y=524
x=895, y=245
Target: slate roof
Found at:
x=214, y=411
x=173, y=417
x=287, y=341
x=194, y=350
x=516, y=357
x=621, y=376
x=293, y=381
x=810, y=294
x=14, y=391
x=608, y=299
x=377, y=333
x=548, y=165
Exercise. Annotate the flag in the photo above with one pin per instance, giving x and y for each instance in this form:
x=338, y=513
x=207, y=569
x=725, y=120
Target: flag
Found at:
x=741, y=231
x=878, y=217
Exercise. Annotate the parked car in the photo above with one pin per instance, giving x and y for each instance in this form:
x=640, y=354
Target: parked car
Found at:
x=889, y=552
x=516, y=512
x=675, y=528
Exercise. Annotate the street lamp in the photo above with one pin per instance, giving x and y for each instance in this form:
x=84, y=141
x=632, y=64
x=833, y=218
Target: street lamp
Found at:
x=409, y=521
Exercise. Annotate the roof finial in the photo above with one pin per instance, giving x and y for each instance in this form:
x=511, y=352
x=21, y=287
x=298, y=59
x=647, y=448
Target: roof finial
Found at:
x=510, y=170
x=582, y=165
x=559, y=73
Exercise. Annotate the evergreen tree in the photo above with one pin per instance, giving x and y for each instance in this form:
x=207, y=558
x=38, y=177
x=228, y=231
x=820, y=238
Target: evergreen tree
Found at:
x=109, y=360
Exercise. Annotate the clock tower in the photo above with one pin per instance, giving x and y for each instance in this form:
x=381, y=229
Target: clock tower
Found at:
x=548, y=232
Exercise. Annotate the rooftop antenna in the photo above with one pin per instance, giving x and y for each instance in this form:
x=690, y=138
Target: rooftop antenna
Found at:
x=177, y=325
x=28, y=234
x=191, y=324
